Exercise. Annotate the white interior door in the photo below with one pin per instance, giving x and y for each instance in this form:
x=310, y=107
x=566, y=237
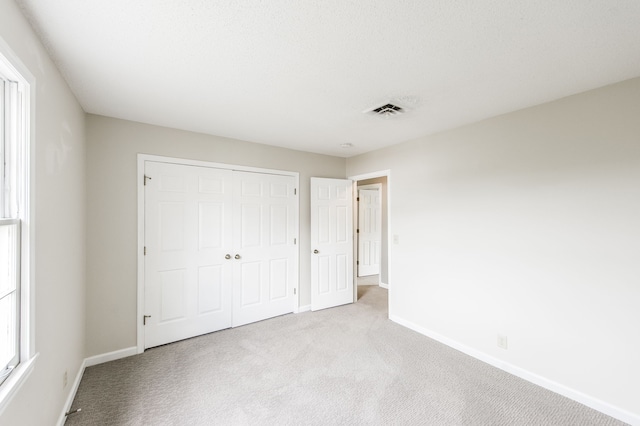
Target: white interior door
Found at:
x=264, y=246
x=369, y=232
x=188, y=213
x=331, y=242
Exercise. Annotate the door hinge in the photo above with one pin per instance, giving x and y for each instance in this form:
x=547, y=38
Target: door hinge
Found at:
x=145, y=179
x=295, y=241
x=295, y=191
x=358, y=199
x=357, y=262
x=357, y=231
x=145, y=250
x=294, y=291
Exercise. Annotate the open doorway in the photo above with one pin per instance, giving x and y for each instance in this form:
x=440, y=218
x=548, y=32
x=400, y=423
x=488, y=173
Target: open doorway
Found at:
x=371, y=267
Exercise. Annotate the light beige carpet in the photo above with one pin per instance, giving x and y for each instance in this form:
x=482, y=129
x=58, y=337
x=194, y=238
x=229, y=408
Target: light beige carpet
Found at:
x=348, y=365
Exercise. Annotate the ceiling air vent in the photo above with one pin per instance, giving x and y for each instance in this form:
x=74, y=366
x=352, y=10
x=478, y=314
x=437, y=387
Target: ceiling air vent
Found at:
x=386, y=110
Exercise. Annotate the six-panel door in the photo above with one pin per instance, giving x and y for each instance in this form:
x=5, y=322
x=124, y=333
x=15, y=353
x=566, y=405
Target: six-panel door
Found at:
x=264, y=238
x=220, y=249
x=188, y=216
x=331, y=243
x=369, y=232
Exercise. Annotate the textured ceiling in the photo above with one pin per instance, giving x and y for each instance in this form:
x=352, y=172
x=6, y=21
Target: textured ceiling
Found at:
x=299, y=74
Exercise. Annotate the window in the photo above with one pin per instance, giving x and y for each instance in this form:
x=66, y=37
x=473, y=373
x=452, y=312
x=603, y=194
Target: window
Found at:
x=9, y=296
x=9, y=228
x=16, y=313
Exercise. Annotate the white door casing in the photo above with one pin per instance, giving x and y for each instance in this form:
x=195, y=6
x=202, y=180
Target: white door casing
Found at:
x=369, y=232
x=188, y=233
x=331, y=243
x=220, y=249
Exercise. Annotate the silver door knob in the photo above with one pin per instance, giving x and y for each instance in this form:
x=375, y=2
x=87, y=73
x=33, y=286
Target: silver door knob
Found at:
x=237, y=256
x=316, y=252
x=227, y=256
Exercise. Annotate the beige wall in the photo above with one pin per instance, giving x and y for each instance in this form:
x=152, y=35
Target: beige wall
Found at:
x=59, y=230
x=112, y=211
x=527, y=225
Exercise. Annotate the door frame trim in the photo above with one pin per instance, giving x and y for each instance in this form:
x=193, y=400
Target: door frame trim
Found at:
x=364, y=176
x=141, y=159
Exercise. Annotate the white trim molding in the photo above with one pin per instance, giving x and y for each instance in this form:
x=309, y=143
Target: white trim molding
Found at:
x=90, y=362
x=381, y=173
x=304, y=308
x=110, y=356
x=15, y=381
x=589, y=401
x=72, y=394
x=11, y=67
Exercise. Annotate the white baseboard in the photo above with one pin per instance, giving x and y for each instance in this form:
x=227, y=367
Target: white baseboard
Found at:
x=111, y=356
x=89, y=362
x=384, y=285
x=72, y=394
x=589, y=401
x=304, y=308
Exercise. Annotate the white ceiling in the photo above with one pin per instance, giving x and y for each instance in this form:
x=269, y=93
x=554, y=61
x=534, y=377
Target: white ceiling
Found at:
x=299, y=74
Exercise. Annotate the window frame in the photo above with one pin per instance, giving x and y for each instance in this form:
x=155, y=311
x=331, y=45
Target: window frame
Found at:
x=12, y=68
x=7, y=369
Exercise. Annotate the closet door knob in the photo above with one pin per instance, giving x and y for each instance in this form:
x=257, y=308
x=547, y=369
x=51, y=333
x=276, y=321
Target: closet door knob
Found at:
x=316, y=252
x=227, y=256
x=237, y=256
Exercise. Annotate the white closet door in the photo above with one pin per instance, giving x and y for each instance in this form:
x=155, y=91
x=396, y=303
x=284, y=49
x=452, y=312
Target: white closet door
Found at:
x=264, y=246
x=187, y=235
x=331, y=243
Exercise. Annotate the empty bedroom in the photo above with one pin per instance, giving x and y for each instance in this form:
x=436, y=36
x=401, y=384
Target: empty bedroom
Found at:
x=321, y=212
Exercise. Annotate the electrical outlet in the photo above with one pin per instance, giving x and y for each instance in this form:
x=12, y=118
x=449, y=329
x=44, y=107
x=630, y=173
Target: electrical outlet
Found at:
x=64, y=379
x=502, y=341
